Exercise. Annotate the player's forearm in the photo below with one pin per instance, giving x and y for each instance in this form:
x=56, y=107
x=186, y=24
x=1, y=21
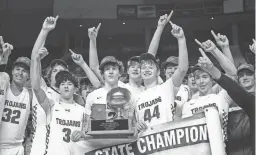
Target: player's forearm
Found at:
x=227, y=52
x=214, y=72
x=93, y=55
x=183, y=55
x=154, y=44
x=35, y=72
x=225, y=63
x=98, y=75
x=183, y=63
x=40, y=41
x=91, y=76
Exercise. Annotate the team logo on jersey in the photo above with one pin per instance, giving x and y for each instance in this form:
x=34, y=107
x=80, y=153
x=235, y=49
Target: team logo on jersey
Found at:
x=150, y=103
x=68, y=110
x=178, y=98
x=99, y=97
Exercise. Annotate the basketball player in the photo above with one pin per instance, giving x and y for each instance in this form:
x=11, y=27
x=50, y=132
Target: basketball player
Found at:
x=5, y=51
x=16, y=107
x=110, y=70
x=65, y=118
x=56, y=65
x=156, y=104
x=206, y=98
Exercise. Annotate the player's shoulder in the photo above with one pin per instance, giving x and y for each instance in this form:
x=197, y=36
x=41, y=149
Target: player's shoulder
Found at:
x=4, y=76
x=78, y=107
x=96, y=93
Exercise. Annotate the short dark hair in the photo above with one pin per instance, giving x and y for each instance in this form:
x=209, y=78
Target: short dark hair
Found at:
x=64, y=76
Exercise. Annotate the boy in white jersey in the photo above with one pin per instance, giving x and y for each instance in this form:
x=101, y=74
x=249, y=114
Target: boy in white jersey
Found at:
x=110, y=70
x=206, y=96
x=65, y=119
x=16, y=109
x=56, y=65
x=156, y=104
x=5, y=51
x=135, y=80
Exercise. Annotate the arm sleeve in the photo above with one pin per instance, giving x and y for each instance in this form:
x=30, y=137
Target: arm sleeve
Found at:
x=243, y=98
x=88, y=104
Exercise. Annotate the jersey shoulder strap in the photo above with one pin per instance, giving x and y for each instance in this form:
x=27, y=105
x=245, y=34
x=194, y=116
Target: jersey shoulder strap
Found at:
x=30, y=98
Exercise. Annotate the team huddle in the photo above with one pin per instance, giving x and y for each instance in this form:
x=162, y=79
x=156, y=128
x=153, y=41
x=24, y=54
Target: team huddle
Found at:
x=57, y=111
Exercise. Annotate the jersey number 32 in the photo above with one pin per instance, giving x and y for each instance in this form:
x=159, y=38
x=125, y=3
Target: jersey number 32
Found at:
x=11, y=116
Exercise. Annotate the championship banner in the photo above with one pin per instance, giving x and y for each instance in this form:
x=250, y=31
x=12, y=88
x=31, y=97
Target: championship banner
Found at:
x=188, y=136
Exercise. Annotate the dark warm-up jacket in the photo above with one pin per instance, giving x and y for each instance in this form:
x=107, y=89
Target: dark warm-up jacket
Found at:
x=243, y=126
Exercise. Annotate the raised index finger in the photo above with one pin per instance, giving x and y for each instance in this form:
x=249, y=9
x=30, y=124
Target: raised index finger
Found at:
x=72, y=52
x=98, y=27
x=213, y=34
x=202, y=53
x=57, y=17
x=1, y=40
x=170, y=15
x=198, y=42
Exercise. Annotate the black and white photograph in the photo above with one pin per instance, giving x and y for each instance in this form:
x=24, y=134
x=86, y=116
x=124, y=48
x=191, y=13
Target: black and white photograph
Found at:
x=127, y=77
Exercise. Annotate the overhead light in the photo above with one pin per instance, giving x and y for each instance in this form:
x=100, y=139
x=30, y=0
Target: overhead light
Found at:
x=212, y=18
x=80, y=25
x=123, y=23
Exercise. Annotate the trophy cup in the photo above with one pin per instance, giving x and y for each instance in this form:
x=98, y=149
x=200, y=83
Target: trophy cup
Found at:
x=119, y=125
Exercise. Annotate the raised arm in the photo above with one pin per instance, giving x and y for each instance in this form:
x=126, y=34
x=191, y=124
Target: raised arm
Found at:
x=35, y=69
x=78, y=59
x=5, y=51
x=48, y=25
x=253, y=46
x=93, y=54
x=180, y=73
x=225, y=63
x=154, y=44
x=240, y=96
x=223, y=42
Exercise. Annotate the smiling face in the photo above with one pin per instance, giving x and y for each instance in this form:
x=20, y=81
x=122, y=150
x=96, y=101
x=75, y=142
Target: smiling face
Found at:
x=203, y=82
x=111, y=73
x=20, y=75
x=246, y=79
x=149, y=70
x=134, y=70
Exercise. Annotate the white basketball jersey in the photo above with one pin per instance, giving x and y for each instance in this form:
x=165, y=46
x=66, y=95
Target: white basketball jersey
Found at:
x=4, y=84
x=156, y=105
x=39, y=122
x=98, y=96
x=14, y=119
x=66, y=118
x=220, y=100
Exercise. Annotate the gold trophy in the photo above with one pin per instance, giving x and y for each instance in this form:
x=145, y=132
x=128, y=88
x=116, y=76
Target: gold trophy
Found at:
x=118, y=120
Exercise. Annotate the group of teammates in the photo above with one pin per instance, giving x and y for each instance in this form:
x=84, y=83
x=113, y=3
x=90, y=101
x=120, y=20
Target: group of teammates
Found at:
x=59, y=121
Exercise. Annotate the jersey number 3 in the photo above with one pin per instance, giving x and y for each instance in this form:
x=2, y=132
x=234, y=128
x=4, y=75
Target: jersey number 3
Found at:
x=11, y=116
x=148, y=116
x=67, y=132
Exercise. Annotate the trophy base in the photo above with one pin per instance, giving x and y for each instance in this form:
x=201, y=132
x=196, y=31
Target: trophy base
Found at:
x=107, y=129
x=117, y=134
